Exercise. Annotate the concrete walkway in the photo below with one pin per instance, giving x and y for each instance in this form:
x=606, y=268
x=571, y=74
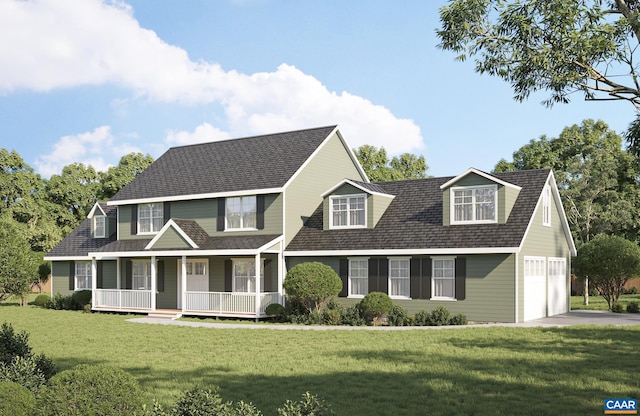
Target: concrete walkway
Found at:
x=579, y=317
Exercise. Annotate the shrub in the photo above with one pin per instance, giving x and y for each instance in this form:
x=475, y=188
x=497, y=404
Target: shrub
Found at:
x=398, y=316
x=459, y=319
x=333, y=313
x=353, y=316
x=310, y=405
x=16, y=400
x=12, y=344
x=294, y=312
x=81, y=298
x=91, y=390
x=312, y=284
x=617, y=307
x=375, y=305
x=201, y=401
x=632, y=307
x=422, y=318
x=632, y=290
x=275, y=310
x=61, y=302
x=42, y=300
x=439, y=316
x=23, y=371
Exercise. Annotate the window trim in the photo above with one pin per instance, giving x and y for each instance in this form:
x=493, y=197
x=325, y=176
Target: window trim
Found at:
x=242, y=228
x=147, y=276
x=434, y=278
x=473, y=188
x=349, y=277
x=87, y=276
x=408, y=278
x=546, y=206
x=103, y=219
x=348, y=197
x=233, y=274
x=151, y=218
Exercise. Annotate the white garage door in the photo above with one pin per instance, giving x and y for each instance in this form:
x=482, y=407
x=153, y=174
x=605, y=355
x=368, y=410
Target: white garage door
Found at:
x=535, y=288
x=557, y=295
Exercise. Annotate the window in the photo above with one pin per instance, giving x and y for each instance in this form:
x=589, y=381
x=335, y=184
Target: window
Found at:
x=241, y=213
x=399, y=278
x=358, y=277
x=141, y=275
x=443, y=279
x=546, y=206
x=99, y=226
x=348, y=211
x=244, y=276
x=83, y=276
x=476, y=204
x=197, y=267
x=150, y=218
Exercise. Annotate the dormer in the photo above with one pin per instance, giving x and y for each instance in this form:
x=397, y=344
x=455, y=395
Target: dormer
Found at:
x=476, y=197
x=353, y=205
x=103, y=220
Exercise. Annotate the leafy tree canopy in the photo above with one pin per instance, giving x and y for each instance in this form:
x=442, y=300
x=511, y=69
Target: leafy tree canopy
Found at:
x=116, y=177
x=379, y=168
x=18, y=264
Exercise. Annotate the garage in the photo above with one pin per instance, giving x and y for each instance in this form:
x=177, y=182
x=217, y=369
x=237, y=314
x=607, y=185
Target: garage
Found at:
x=535, y=288
x=557, y=288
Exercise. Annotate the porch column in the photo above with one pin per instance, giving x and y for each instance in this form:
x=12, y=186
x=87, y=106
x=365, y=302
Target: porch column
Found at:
x=154, y=283
x=94, y=279
x=281, y=277
x=183, y=286
x=118, y=273
x=257, y=285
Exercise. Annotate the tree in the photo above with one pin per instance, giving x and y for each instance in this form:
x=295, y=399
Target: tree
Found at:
x=18, y=264
x=74, y=191
x=608, y=261
x=312, y=284
x=378, y=168
x=560, y=46
x=17, y=179
x=116, y=177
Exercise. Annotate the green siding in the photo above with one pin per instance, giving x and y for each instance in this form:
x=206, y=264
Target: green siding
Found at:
x=109, y=274
x=546, y=242
x=376, y=206
x=328, y=167
x=510, y=195
x=446, y=207
x=203, y=211
x=168, y=299
x=171, y=239
x=272, y=218
x=60, y=277
x=473, y=180
x=124, y=224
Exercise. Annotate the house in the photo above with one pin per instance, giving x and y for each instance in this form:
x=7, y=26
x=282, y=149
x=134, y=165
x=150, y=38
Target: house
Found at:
x=210, y=230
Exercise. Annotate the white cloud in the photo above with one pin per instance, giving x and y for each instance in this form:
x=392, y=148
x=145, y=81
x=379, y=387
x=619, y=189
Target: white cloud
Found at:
x=51, y=44
x=203, y=133
x=97, y=148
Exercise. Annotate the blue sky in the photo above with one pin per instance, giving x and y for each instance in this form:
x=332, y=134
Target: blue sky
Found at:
x=89, y=81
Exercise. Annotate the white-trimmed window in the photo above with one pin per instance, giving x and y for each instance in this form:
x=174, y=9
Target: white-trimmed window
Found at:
x=241, y=213
x=150, y=218
x=83, y=276
x=443, y=281
x=474, y=204
x=358, y=277
x=99, y=226
x=244, y=276
x=141, y=275
x=348, y=211
x=546, y=206
x=197, y=267
x=399, y=277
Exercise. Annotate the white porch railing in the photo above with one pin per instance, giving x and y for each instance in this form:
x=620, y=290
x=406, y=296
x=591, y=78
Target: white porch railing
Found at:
x=228, y=303
x=122, y=299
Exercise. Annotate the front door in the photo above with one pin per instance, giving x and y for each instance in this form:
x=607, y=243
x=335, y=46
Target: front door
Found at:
x=197, y=277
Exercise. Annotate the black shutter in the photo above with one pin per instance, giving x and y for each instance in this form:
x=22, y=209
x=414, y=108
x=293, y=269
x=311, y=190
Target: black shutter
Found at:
x=373, y=275
x=72, y=275
x=99, y=272
x=221, y=214
x=260, y=212
x=426, y=278
x=383, y=276
x=268, y=280
x=228, y=276
x=166, y=211
x=160, y=276
x=134, y=219
x=461, y=274
x=128, y=274
x=415, y=282
x=344, y=276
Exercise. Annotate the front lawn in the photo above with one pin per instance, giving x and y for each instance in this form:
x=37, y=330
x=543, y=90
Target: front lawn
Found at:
x=597, y=303
x=493, y=371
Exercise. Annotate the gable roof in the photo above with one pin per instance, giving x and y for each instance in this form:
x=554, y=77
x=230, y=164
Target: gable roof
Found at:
x=491, y=177
x=370, y=188
x=245, y=164
x=101, y=208
x=414, y=221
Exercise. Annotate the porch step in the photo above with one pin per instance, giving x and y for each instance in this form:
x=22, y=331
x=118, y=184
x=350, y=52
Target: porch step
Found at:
x=162, y=314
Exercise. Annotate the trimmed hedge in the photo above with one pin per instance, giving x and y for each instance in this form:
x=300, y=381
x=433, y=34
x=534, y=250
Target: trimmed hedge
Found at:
x=16, y=400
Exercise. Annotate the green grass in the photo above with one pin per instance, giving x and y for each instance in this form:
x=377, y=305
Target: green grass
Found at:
x=597, y=303
x=493, y=371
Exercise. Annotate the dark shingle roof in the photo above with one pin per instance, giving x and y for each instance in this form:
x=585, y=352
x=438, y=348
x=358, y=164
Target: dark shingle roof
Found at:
x=413, y=220
x=373, y=187
x=257, y=162
x=193, y=230
x=80, y=242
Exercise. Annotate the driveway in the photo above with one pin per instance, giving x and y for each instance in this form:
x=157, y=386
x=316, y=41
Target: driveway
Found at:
x=579, y=317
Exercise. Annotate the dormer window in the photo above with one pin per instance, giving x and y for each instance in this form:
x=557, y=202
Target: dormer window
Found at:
x=348, y=211
x=476, y=204
x=241, y=213
x=99, y=226
x=150, y=218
